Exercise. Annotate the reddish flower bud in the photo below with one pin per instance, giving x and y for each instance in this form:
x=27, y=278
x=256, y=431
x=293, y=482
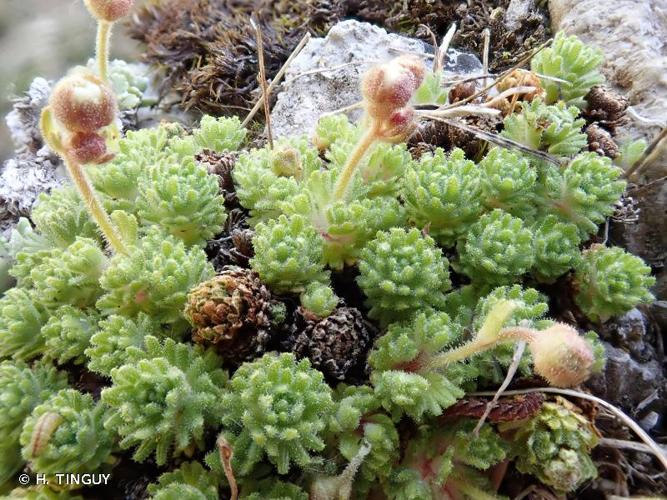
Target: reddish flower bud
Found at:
x=390, y=86
x=400, y=123
x=561, y=356
x=82, y=102
x=109, y=10
x=88, y=147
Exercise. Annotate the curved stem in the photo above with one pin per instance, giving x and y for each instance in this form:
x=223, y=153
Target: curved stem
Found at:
x=102, y=48
x=365, y=142
x=93, y=204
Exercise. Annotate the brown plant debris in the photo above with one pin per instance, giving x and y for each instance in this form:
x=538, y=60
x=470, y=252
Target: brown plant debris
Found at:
x=208, y=49
x=233, y=313
x=600, y=141
x=605, y=106
x=507, y=409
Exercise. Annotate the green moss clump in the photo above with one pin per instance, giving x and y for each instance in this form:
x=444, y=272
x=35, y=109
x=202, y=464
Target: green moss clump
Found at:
x=288, y=254
x=555, y=446
x=402, y=378
x=444, y=193
x=571, y=60
x=67, y=334
x=182, y=198
x=119, y=341
x=189, y=481
x=154, y=278
x=497, y=249
x=61, y=217
x=23, y=389
x=22, y=317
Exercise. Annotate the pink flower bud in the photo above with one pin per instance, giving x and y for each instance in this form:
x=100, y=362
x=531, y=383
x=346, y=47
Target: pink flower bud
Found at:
x=109, y=10
x=390, y=86
x=82, y=102
x=88, y=147
x=561, y=356
x=400, y=124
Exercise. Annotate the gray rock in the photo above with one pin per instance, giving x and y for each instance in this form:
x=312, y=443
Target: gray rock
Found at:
x=357, y=46
x=633, y=35
x=35, y=168
x=517, y=10
x=629, y=384
x=647, y=237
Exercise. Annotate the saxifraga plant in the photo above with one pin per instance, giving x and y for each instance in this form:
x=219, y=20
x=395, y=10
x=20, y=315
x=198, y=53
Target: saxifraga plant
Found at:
x=113, y=279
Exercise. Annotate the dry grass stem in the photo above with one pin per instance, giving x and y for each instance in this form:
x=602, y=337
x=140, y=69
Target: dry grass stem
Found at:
x=494, y=138
x=511, y=371
x=262, y=80
x=278, y=77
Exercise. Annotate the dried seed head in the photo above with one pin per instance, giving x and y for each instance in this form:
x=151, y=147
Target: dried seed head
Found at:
x=109, y=10
x=462, y=91
x=522, y=78
x=562, y=356
x=390, y=86
x=82, y=102
x=88, y=147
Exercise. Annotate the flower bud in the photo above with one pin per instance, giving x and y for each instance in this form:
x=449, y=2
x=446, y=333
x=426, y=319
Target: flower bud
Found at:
x=286, y=162
x=562, y=356
x=109, y=10
x=390, y=86
x=88, y=147
x=400, y=124
x=82, y=102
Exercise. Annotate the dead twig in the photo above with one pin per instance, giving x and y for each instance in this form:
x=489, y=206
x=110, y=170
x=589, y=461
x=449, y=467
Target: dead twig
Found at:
x=496, y=139
x=486, y=33
x=639, y=165
x=278, y=77
x=325, y=70
x=499, y=78
x=514, y=366
x=226, y=454
x=441, y=52
x=262, y=79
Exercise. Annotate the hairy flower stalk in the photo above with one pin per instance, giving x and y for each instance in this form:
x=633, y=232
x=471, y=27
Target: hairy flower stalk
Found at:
x=560, y=355
x=387, y=90
x=106, y=12
x=82, y=105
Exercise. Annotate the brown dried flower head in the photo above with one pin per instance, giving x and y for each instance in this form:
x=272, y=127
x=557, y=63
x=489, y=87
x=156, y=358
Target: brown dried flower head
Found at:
x=522, y=78
x=234, y=313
